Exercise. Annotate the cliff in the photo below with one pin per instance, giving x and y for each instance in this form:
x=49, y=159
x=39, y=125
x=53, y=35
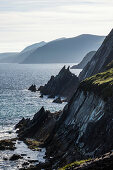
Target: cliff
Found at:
x=64, y=84
x=84, y=129
x=39, y=127
x=85, y=60
x=100, y=60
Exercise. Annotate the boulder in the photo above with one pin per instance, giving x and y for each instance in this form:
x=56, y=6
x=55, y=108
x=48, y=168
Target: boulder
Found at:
x=7, y=144
x=15, y=157
x=32, y=88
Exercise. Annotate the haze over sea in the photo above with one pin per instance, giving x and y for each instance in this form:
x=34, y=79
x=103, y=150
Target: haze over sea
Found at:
x=16, y=101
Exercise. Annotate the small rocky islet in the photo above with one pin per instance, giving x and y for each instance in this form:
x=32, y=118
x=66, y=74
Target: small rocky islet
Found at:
x=62, y=85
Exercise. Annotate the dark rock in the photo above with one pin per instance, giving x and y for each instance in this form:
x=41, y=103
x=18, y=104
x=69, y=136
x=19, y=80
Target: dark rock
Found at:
x=5, y=158
x=39, y=127
x=32, y=88
x=40, y=88
x=23, y=123
x=25, y=163
x=64, y=84
x=7, y=144
x=32, y=161
x=57, y=100
x=23, y=154
x=15, y=157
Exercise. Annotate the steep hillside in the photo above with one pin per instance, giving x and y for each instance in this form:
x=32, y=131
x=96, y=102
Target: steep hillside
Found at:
x=105, y=162
x=103, y=56
x=65, y=50
x=19, y=57
x=27, y=51
x=34, y=46
x=85, y=60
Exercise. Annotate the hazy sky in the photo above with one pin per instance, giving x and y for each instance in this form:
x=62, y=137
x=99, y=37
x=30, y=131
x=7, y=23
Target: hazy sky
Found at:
x=23, y=22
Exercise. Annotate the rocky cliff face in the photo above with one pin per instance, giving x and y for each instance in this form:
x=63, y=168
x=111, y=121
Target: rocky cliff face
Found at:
x=85, y=127
x=103, y=56
x=39, y=127
x=83, y=130
x=64, y=84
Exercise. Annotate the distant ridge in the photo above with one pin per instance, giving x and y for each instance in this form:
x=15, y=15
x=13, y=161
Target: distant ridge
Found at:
x=66, y=50
x=62, y=50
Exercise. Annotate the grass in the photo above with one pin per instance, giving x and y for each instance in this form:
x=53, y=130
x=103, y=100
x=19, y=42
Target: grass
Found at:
x=101, y=83
x=32, y=144
x=74, y=164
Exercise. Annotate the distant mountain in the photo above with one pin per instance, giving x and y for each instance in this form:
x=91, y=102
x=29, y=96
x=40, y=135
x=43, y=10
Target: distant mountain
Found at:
x=85, y=60
x=34, y=46
x=65, y=50
x=27, y=51
x=19, y=57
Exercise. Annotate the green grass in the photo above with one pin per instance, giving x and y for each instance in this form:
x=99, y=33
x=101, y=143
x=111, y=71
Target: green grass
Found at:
x=33, y=144
x=101, y=83
x=74, y=164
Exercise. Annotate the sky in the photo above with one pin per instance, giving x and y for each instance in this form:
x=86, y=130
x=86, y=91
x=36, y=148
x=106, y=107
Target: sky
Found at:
x=24, y=22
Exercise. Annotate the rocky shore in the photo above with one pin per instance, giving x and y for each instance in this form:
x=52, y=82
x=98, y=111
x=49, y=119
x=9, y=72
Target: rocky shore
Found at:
x=62, y=85
x=83, y=130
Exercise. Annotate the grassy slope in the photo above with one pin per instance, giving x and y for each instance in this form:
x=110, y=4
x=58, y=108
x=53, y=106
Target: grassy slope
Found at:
x=74, y=164
x=101, y=84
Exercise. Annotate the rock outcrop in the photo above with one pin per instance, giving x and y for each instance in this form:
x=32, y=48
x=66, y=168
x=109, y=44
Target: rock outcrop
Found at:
x=64, y=84
x=100, y=60
x=85, y=60
x=39, y=127
x=32, y=88
x=84, y=128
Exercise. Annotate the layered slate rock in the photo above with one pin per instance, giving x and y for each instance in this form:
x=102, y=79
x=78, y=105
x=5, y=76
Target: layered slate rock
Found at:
x=100, y=60
x=85, y=60
x=85, y=127
x=64, y=84
x=39, y=127
x=86, y=124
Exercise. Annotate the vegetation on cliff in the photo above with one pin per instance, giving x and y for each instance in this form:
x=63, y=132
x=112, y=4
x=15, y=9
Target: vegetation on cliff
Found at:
x=74, y=164
x=101, y=84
